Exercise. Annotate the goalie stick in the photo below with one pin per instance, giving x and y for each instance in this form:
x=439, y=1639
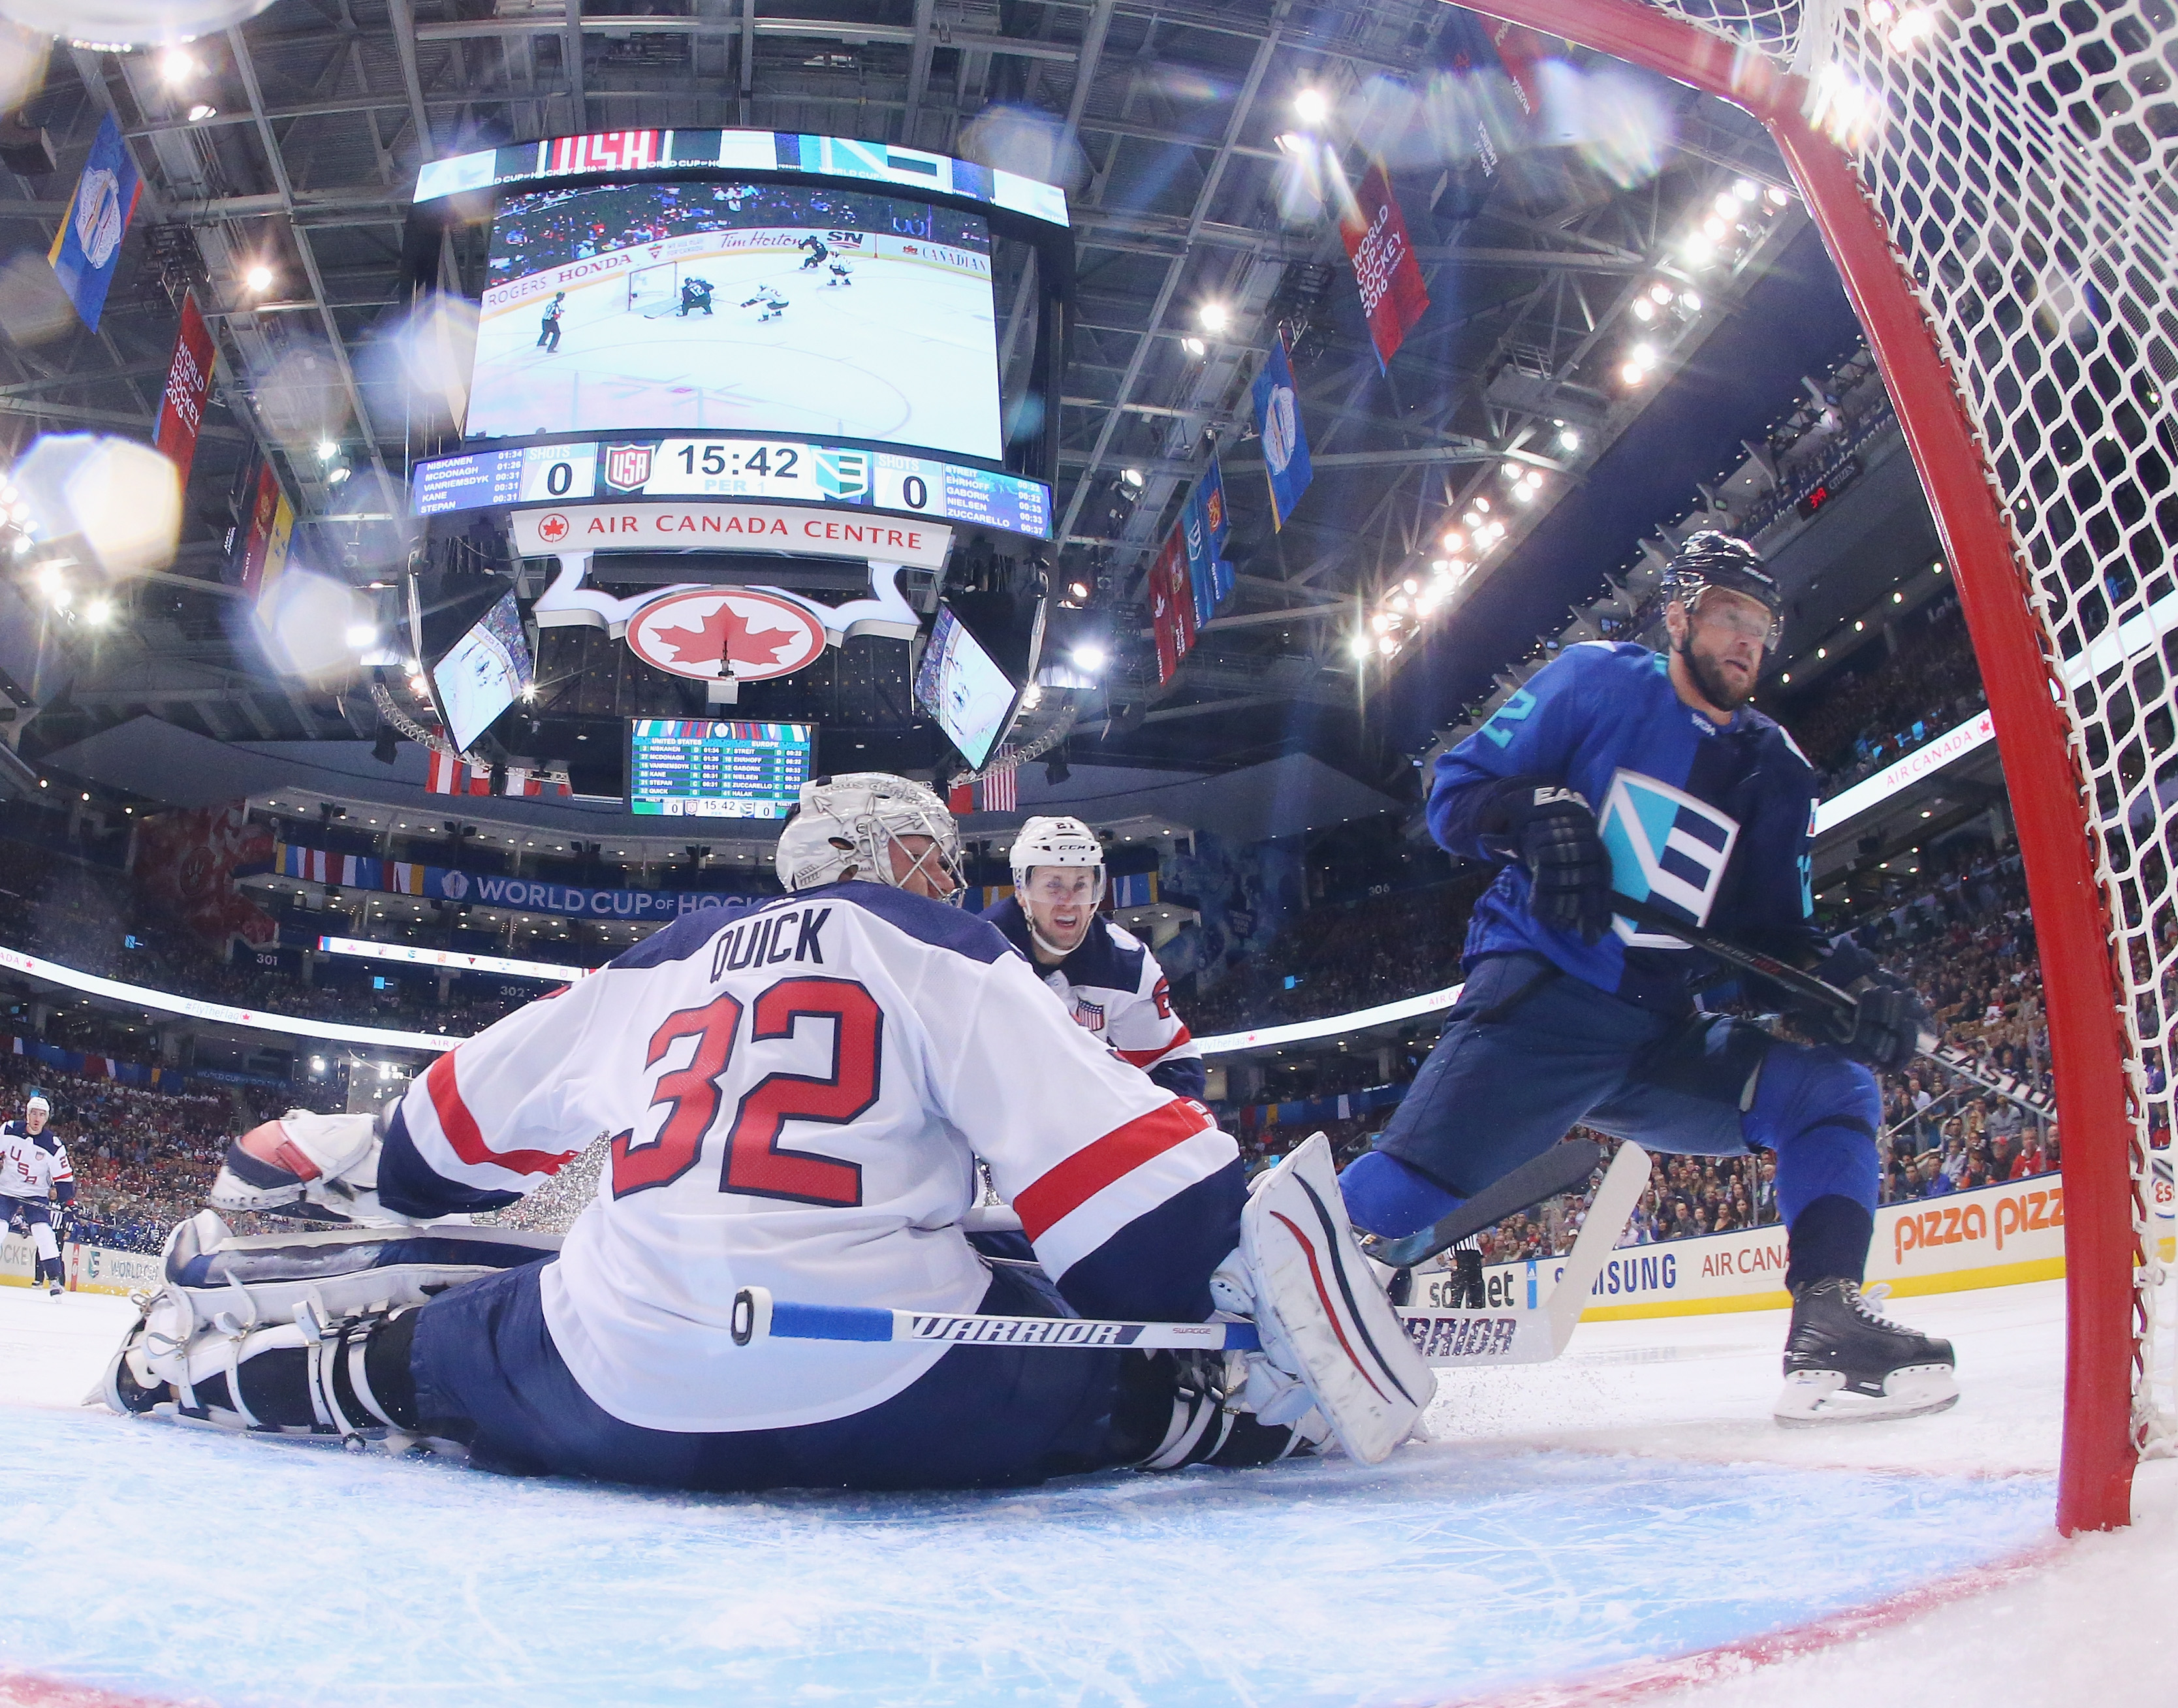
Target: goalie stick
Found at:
x=1820, y=992
x=1521, y=1334
x=1561, y=1168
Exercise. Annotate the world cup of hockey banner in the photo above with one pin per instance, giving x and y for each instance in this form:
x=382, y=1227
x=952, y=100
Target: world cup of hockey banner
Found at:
x=263, y=542
x=1393, y=294
x=188, y=382
x=1285, y=441
x=88, y=245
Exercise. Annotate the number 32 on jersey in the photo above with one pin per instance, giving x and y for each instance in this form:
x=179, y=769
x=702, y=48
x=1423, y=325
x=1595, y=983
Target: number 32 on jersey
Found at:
x=754, y=1163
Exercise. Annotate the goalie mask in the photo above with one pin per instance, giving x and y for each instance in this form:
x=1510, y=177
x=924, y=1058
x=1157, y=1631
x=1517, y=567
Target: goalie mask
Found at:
x=1712, y=559
x=844, y=827
x=1055, y=842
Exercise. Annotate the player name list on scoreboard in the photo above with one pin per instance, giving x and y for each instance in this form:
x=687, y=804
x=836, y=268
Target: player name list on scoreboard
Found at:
x=712, y=770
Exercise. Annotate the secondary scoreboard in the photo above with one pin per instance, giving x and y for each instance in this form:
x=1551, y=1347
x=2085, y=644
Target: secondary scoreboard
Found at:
x=705, y=767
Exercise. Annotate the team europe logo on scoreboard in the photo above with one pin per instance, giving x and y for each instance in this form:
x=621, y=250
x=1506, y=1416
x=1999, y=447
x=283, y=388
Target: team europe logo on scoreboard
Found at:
x=627, y=467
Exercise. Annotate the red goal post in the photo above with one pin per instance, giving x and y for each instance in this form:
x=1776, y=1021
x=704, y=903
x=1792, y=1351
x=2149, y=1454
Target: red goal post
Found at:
x=1996, y=204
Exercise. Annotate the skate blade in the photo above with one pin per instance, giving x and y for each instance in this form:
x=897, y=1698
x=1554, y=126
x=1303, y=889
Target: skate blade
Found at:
x=1817, y=1398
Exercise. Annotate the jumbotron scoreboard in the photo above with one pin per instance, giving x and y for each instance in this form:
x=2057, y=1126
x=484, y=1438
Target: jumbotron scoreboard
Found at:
x=708, y=360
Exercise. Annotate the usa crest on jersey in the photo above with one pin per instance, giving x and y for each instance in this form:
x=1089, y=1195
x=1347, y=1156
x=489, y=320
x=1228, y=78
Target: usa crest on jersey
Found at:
x=1089, y=1015
x=1666, y=849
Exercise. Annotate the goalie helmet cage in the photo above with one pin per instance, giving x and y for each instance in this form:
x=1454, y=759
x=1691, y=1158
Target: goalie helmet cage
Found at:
x=1994, y=183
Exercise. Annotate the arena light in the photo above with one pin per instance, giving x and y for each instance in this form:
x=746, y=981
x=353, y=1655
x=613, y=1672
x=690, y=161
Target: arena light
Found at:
x=1312, y=106
x=1089, y=656
x=177, y=66
x=1568, y=439
x=1195, y=347
x=1213, y=317
x=201, y=111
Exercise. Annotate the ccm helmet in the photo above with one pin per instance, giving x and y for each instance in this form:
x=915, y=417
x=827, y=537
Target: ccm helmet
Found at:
x=843, y=828
x=1054, y=842
x=1712, y=559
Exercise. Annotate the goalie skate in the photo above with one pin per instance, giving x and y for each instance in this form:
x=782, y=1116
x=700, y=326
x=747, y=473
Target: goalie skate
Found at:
x=1321, y=1311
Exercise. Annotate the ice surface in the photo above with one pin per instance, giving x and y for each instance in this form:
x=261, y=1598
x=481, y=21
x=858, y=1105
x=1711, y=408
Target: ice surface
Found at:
x=1631, y=1500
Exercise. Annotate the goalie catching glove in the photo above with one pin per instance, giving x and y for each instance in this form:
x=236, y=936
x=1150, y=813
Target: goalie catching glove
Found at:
x=313, y=1168
x=1330, y=1337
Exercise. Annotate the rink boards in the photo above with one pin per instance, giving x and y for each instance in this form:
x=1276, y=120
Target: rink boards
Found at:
x=1993, y=1236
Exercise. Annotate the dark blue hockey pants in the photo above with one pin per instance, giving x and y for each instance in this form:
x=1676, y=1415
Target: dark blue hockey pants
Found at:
x=486, y=1372
x=1528, y=1051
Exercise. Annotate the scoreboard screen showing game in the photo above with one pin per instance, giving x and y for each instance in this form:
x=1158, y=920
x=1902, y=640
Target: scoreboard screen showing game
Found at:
x=754, y=308
x=682, y=768
x=961, y=687
x=484, y=672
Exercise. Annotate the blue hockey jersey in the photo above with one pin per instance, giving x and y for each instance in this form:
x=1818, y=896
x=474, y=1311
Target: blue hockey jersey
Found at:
x=1709, y=822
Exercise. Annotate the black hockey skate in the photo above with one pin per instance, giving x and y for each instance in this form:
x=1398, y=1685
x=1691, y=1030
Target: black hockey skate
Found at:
x=1845, y=1362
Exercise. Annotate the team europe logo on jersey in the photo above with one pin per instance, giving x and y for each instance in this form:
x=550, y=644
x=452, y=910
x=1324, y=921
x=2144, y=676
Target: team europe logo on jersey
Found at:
x=1666, y=848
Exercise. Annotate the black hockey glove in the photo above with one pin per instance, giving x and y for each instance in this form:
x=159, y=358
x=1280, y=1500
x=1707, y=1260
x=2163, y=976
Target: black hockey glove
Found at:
x=1887, y=1027
x=1552, y=833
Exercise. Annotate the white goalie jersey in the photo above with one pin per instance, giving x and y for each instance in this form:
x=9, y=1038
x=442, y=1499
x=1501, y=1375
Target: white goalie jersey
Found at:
x=796, y=1100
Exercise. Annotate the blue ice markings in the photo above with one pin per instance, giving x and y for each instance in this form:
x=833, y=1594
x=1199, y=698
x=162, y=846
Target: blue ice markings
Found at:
x=1666, y=848
x=1513, y=711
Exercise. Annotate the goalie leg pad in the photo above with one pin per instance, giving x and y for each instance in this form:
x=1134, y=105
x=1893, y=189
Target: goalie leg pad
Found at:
x=300, y=1311
x=1322, y=1316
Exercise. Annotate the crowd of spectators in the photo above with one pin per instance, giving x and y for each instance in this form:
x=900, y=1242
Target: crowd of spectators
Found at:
x=143, y=1159
x=1928, y=684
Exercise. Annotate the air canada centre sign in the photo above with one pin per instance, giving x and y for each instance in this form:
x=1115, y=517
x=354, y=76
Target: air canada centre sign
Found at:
x=725, y=633
x=727, y=526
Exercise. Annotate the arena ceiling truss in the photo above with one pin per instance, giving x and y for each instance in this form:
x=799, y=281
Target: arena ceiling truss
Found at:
x=292, y=142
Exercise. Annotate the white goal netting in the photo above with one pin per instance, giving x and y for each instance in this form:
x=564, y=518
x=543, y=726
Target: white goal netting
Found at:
x=655, y=290
x=2024, y=159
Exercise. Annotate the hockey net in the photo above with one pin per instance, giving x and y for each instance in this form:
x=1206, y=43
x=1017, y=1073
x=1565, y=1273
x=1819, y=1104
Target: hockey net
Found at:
x=655, y=290
x=2020, y=162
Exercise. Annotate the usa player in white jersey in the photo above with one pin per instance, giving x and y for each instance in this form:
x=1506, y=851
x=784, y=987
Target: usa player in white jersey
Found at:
x=1107, y=977
x=795, y=1097
x=35, y=1177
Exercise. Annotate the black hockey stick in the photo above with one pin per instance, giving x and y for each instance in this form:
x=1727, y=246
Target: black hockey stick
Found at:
x=1806, y=985
x=1561, y=1168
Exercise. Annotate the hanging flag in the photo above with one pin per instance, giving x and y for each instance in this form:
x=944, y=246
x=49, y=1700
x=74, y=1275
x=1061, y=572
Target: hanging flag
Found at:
x=1393, y=294
x=263, y=554
x=1202, y=520
x=451, y=775
x=1285, y=441
x=1001, y=791
x=1164, y=614
x=88, y=245
x=189, y=381
x=961, y=799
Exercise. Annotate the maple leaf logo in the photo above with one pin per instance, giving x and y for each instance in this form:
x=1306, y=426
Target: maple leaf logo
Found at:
x=731, y=634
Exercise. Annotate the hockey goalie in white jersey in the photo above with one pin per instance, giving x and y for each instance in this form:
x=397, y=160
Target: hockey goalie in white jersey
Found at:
x=796, y=1096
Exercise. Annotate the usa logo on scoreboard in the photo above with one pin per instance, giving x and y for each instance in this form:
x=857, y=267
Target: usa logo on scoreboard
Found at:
x=627, y=467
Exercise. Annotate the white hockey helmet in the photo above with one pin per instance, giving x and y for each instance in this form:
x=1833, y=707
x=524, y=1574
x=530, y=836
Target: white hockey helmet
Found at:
x=1057, y=842
x=37, y=1101
x=843, y=828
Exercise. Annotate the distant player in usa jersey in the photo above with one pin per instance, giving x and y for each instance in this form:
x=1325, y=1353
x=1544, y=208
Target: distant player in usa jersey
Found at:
x=796, y=1097
x=1616, y=768
x=35, y=1179
x=1106, y=977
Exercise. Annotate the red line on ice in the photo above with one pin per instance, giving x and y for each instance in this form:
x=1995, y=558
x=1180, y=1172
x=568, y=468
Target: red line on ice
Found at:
x=1634, y=1680
x=29, y=1690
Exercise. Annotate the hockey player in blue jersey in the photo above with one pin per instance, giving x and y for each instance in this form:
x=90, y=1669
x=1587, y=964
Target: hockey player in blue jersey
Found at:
x=1618, y=767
